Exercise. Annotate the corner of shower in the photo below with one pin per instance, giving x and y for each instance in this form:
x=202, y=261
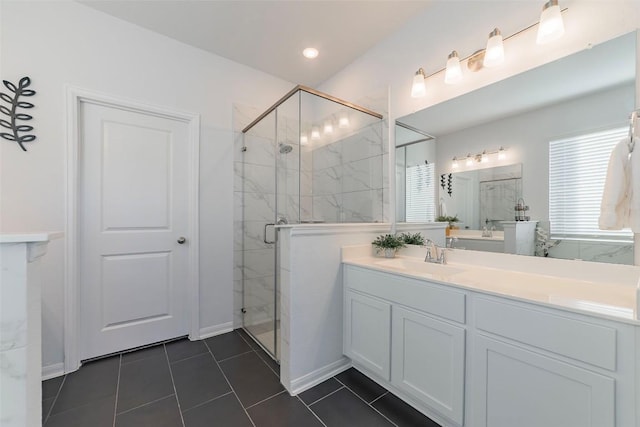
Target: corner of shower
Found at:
x=310, y=158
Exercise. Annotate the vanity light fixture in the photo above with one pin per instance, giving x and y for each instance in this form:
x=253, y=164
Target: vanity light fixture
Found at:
x=310, y=53
x=328, y=126
x=502, y=154
x=315, y=133
x=469, y=161
x=494, y=53
x=343, y=121
x=418, y=89
x=453, y=73
x=304, y=139
x=551, y=26
x=484, y=157
x=454, y=163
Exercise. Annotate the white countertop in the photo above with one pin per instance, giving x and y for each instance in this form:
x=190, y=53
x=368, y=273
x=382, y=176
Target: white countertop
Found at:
x=605, y=290
x=43, y=236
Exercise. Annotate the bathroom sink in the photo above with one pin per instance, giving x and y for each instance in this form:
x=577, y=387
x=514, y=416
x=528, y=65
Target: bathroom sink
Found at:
x=419, y=267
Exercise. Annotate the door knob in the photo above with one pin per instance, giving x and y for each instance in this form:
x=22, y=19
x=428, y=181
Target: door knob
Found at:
x=181, y=240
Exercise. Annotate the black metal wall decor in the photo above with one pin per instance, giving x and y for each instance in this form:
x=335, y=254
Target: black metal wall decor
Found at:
x=11, y=111
x=450, y=184
x=443, y=178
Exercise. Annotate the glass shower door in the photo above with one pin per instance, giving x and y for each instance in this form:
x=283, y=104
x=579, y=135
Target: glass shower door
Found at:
x=259, y=234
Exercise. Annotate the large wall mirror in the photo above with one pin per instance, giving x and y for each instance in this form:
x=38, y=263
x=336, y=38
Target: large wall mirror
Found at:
x=585, y=93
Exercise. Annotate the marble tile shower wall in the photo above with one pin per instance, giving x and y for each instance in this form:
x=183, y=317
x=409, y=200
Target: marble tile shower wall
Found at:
x=347, y=178
x=497, y=201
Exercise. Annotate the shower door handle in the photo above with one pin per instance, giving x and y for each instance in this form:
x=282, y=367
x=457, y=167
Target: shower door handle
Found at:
x=265, y=234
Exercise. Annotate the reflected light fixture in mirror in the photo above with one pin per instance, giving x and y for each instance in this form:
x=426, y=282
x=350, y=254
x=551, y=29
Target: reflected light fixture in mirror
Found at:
x=328, y=126
x=494, y=53
x=469, y=161
x=551, y=25
x=454, y=163
x=315, y=133
x=304, y=139
x=502, y=154
x=418, y=89
x=343, y=121
x=453, y=74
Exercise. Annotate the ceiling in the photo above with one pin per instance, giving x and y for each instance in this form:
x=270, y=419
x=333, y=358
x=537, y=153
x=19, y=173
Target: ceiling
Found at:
x=270, y=35
x=603, y=66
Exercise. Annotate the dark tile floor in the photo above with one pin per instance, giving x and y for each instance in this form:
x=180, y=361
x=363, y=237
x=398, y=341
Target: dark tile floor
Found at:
x=224, y=381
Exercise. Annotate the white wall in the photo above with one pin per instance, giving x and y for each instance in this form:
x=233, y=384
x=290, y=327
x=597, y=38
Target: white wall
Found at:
x=63, y=42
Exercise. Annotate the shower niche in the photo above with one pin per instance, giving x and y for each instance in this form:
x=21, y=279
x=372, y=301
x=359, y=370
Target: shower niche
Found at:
x=309, y=159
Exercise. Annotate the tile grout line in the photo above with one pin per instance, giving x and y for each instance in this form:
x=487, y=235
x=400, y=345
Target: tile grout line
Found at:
x=311, y=410
x=230, y=386
x=208, y=401
x=146, y=404
x=265, y=399
x=327, y=395
x=115, y=404
x=55, y=399
x=256, y=351
x=366, y=403
x=182, y=360
x=173, y=383
x=379, y=397
x=234, y=356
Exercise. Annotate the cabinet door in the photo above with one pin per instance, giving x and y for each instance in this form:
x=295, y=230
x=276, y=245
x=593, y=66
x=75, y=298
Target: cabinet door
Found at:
x=428, y=361
x=367, y=329
x=518, y=387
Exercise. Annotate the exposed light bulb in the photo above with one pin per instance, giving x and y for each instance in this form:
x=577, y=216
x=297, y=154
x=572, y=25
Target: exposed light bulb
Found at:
x=502, y=154
x=304, y=139
x=494, y=53
x=328, y=126
x=484, y=158
x=551, y=26
x=453, y=73
x=315, y=133
x=454, y=163
x=419, y=88
x=343, y=121
x=469, y=161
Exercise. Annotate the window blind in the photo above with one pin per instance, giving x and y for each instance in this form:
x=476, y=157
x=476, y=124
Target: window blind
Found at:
x=420, y=197
x=577, y=173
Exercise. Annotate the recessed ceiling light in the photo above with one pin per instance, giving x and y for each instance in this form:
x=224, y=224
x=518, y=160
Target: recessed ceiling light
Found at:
x=310, y=52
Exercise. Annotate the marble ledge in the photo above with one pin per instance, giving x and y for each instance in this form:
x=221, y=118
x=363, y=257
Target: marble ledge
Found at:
x=33, y=237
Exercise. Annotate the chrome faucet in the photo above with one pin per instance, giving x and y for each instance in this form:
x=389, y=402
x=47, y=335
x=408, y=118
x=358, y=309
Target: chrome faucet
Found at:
x=433, y=249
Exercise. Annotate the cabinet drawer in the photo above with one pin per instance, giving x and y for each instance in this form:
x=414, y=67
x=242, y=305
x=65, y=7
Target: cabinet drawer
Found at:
x=420, y=295
x=583, y=341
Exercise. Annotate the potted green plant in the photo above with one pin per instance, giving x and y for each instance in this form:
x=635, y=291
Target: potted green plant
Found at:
x=412, y=239
x=451, y=220
x=389, y=244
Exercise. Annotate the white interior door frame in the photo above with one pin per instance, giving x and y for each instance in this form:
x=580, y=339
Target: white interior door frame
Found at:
x=76, y=96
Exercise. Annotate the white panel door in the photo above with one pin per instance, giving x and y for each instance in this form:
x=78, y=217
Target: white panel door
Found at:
x=133, y=212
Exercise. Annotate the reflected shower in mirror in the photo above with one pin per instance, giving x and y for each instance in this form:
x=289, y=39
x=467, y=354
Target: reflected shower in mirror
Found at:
x=590, y=91
x=415, y=175
x=484, y=197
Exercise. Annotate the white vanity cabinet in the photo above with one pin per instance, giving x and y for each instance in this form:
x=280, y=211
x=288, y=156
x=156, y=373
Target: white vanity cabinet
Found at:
x=394, y=329
x=470, y=358
x=367, y=332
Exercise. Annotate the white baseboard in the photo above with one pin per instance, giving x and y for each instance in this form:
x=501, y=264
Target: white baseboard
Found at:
x=314, y=378
x=211, y=331
x=52, y=371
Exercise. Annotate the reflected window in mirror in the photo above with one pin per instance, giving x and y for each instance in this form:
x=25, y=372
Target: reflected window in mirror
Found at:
x=577, y=171
x=415, y=175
